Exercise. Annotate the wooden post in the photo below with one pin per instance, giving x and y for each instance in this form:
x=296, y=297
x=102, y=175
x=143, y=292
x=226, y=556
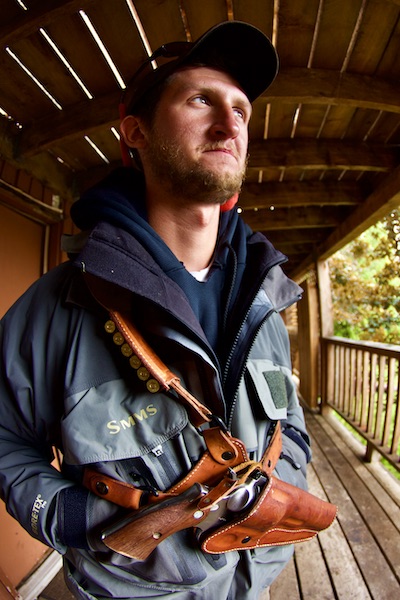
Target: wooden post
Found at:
x=308, y=342
x=325, y=330
x=325, y=298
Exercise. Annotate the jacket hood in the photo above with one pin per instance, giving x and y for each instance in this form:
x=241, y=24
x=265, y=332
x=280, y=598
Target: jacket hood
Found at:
x=115, y=212
x=119, y=200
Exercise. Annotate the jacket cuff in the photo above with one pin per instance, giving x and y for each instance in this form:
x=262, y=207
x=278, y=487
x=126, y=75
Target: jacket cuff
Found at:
x=299, y=440
x=72, y=517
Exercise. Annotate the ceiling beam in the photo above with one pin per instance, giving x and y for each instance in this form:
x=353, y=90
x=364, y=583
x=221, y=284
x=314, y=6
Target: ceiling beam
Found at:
x=328, y=87
x=381, y=201
x=74, y=121
x=378, y=205
x=302, y=154
x=255, y=196
x=42, y=15
x=294, y=218
x=294, y=85
x=43, y=167
x=324, y=154
x=296, y=236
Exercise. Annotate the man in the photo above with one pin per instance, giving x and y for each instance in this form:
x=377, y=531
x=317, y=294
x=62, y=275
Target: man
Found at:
x=205, y=293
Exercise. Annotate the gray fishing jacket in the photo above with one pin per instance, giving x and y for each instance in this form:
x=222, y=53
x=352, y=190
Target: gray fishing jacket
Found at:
x=65, y=385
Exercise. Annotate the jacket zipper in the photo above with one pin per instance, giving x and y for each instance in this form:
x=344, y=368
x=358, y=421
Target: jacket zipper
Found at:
x=249, y=348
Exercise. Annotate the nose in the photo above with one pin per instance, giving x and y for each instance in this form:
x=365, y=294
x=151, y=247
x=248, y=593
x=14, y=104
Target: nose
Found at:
x=225, y=124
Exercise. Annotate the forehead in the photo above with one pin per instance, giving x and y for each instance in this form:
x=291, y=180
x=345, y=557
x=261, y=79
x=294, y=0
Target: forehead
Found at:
x=194, y=78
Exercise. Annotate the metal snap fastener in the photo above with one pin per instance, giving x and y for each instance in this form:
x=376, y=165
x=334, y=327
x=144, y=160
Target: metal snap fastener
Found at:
x=102, y=488
x=227, y=455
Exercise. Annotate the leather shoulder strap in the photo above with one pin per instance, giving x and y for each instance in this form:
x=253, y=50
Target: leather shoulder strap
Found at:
x=199, y=413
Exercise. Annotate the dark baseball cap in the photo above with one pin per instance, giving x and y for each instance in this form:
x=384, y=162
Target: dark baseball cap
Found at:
x=238, y=48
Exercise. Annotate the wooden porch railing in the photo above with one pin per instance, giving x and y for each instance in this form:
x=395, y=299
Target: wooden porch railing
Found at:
x=361, y=381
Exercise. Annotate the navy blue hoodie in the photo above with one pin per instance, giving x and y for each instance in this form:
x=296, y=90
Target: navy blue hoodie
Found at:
x=120, y=201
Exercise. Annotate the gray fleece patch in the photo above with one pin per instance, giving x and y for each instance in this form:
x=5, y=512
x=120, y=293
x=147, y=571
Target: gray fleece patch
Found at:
x=277, y=387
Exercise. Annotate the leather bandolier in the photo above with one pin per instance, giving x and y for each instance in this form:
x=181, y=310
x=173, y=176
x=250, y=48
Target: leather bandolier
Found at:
x=231, y=502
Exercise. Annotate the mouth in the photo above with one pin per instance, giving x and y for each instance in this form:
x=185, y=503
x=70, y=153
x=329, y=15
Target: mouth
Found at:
x=220, y=150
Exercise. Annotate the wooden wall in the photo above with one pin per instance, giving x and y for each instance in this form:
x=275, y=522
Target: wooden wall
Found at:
x=30, y=229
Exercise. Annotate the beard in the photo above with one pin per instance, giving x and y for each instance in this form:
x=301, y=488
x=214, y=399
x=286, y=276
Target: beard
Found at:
x=187, y=178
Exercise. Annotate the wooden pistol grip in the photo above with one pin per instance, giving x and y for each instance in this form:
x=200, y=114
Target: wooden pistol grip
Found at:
x=138, y=534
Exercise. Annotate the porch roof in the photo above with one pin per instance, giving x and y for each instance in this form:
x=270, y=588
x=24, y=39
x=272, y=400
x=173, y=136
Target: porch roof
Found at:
x=324, y=139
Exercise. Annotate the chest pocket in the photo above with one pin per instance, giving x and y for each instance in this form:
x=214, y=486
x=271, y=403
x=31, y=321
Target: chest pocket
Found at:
x=109, y=422
x=262, y=398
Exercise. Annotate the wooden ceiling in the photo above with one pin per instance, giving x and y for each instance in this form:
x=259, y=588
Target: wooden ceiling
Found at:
x=324, y=139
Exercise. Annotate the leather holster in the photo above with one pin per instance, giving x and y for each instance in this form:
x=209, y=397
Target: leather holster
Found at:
x=282, y=514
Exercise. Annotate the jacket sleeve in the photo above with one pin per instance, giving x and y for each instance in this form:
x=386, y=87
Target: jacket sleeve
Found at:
x=271, y=389
x=296, y=445
x=50, y=507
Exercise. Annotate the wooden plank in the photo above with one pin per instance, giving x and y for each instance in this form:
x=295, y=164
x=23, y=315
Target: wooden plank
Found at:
x=259, y=13
x=286, y=585
x=389, y=62
x=41, y=60
x=362, y=386
x=384, y=487
x=353, y=386
x=381, y=396
x=347, y=579
x=372, y=392
x=393, y=366
x=365, y=389
x=324, y=53
x=73, y=38
x=396, y=431
x=314, y=580
x=203, y=15
x=42, y=14
x=336, y=120
x=360, y=517
x=297, y=23
x=162, y=21
x=374, y=37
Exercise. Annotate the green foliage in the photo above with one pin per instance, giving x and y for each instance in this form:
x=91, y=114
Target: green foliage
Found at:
x=365, y=279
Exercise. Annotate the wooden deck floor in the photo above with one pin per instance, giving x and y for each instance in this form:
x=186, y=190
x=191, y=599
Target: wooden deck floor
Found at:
x=358, y=557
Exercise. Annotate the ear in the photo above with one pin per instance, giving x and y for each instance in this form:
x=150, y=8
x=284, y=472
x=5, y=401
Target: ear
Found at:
x=132, y=132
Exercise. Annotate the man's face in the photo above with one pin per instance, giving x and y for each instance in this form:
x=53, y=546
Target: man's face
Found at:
x=197, y=144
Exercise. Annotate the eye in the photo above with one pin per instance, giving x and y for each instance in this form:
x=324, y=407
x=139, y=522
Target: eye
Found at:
x=200, y=99
x=239, y=113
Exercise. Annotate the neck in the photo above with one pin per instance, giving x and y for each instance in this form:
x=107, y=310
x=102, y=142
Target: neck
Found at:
x=189, y=230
